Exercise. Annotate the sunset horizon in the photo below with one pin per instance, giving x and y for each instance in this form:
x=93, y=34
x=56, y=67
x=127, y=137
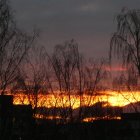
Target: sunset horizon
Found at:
x=69, y=70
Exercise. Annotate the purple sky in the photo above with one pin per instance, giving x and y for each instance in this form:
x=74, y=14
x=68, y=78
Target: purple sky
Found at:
x=90, y=22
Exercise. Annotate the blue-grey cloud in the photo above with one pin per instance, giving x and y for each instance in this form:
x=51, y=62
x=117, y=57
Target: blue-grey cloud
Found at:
x=90, y=22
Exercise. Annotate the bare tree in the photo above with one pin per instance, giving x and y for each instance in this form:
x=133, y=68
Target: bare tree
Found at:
x=64, y=62
x=32, y=75
x=14, y=45
x=7, y=25
x=69, y=75
x=125, y=42
x=12, y=57
x=96, y=75
x=126, y=86
x=92, y=75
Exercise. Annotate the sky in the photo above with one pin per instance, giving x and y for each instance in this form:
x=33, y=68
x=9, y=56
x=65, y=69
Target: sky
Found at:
x=90, y=22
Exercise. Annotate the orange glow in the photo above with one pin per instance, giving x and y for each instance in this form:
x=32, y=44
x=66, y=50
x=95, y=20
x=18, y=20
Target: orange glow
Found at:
x=115, y=68
x=47, y=117
x=91, y=119
x=113, y=97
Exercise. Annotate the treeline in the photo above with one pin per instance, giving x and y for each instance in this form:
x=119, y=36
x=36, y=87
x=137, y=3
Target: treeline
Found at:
x=26, y=66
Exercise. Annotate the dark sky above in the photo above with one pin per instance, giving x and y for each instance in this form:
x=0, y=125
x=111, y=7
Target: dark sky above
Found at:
x=90, y=22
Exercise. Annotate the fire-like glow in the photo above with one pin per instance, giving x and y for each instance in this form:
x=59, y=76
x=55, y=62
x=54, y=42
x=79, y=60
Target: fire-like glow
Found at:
x=113, y=97
x=91, y=119
x=47, y=117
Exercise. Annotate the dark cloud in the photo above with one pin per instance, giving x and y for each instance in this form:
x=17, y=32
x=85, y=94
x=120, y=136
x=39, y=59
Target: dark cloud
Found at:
x=90, y=22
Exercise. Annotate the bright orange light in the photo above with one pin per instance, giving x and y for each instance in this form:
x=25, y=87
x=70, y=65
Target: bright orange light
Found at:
x=47, y=117
x=113, y=97
x=91, y=119
x=123, y=98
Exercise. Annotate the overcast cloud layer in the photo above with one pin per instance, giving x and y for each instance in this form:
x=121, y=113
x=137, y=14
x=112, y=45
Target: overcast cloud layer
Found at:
x=90, y=22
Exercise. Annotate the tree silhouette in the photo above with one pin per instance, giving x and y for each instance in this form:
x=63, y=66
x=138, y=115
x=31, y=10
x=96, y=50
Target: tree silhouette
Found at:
x=14, y=45
x=125, y=42
x=64, y=61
